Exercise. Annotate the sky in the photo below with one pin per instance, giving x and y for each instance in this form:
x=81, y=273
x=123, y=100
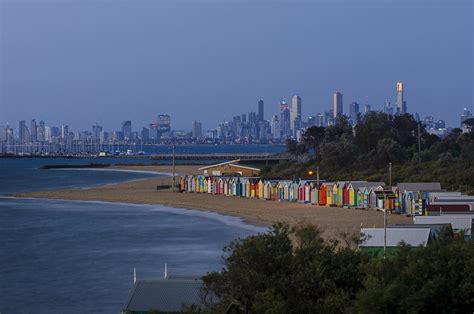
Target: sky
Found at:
x=81, y=62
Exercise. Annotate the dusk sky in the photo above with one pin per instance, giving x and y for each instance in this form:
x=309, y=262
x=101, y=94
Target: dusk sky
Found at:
x=81, y=62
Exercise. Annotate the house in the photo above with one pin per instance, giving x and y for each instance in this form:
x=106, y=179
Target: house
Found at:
x=230, y=168
x=169, y=295
x=372, y=239
x=460, y=223
x=435, y=229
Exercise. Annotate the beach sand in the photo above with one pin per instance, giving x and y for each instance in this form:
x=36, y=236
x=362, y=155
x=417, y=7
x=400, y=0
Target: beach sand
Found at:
x=331, y=220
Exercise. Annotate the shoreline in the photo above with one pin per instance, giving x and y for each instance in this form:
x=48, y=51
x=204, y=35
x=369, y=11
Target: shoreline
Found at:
x=333, y=221
x=235, y=221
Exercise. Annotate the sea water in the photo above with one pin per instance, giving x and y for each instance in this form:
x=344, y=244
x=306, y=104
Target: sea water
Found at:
x=72, y=256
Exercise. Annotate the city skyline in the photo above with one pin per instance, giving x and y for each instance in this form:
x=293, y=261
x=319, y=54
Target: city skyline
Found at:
x=131, y=61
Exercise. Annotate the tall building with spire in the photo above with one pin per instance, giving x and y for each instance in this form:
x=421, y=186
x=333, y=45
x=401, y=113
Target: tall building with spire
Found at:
x=338, y=105
x=295, y=116
x=401, y=103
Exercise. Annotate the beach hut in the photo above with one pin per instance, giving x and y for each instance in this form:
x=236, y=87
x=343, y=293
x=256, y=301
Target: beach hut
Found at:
x=296, y=190
x=238, y=187
x=210, y=185
x=221, y=186
x=322, y=195
x=291, y=190
x=286, y=190
x=243, y=183
x=335, y=194
x=329, y=193
x=252, y=188
x=260, y=188
x=276, y=191
x=307, y=192
x=248, y=187
x=193, y=184
x=281, y=191
x=300, y=194
x=345, y=194
x=268, y=190
x=314, y=197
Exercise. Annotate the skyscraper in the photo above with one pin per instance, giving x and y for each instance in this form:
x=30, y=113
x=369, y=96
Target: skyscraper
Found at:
x=23, y=132
x=275, y=127
x=285, y=120
x=401, y=103
x=197, y=129
x=127, y=129
x=163, y=124
x=260, y=116
x=33, y=131
x=353, y=110
x=319, y=120
x=295, y=114
x=388, y=108
x=40, y=131
x=338, y=105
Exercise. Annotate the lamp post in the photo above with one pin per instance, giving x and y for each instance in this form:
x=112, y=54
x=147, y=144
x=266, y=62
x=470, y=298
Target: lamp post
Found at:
x=174, y=176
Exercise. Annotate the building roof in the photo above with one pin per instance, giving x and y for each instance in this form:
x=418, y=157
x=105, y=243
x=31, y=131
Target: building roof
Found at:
x=165, y=295
x=458, y=222
x=232, y=163
x=434, y=228
x=374, y=237
x=420, y=186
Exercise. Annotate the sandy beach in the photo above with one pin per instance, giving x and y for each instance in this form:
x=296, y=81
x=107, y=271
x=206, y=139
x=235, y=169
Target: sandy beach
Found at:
x=332, y=220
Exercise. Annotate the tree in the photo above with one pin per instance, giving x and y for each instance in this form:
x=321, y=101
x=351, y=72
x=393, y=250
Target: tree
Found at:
x=313, y=137
x=266, y=273
x=437, y=278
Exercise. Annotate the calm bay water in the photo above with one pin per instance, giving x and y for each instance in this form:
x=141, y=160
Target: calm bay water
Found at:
x=72, y=257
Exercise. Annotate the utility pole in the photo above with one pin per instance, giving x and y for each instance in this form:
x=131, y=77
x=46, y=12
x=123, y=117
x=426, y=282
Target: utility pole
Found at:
x=384, y=226
x=174, y=175
x=390, y=174
x=317, y=176
x=419, y=142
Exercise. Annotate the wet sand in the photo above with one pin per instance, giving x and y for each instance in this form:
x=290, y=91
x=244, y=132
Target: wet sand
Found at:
x=332, y=220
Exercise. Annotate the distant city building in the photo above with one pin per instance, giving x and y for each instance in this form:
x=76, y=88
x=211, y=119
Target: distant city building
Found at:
x=40, y=131
x=96, y=129
x=23, y=132
x=64, y=131
x=260, y=116
x=338, y=104
x=388, y=108
x=145, y=134
x=295, y=116
x=33, y=131
x=401, y=103
x=285, y=120
x=104, y=137
x=466, y=114
x=311, y=121
x=48, y=136
x=367, y=108
x=163, y=125
x=127, y=129
x=320, y=120
x=275, y=127
x=329, y=117
x=197, y=130
x=211, y=134
x=353, y=110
